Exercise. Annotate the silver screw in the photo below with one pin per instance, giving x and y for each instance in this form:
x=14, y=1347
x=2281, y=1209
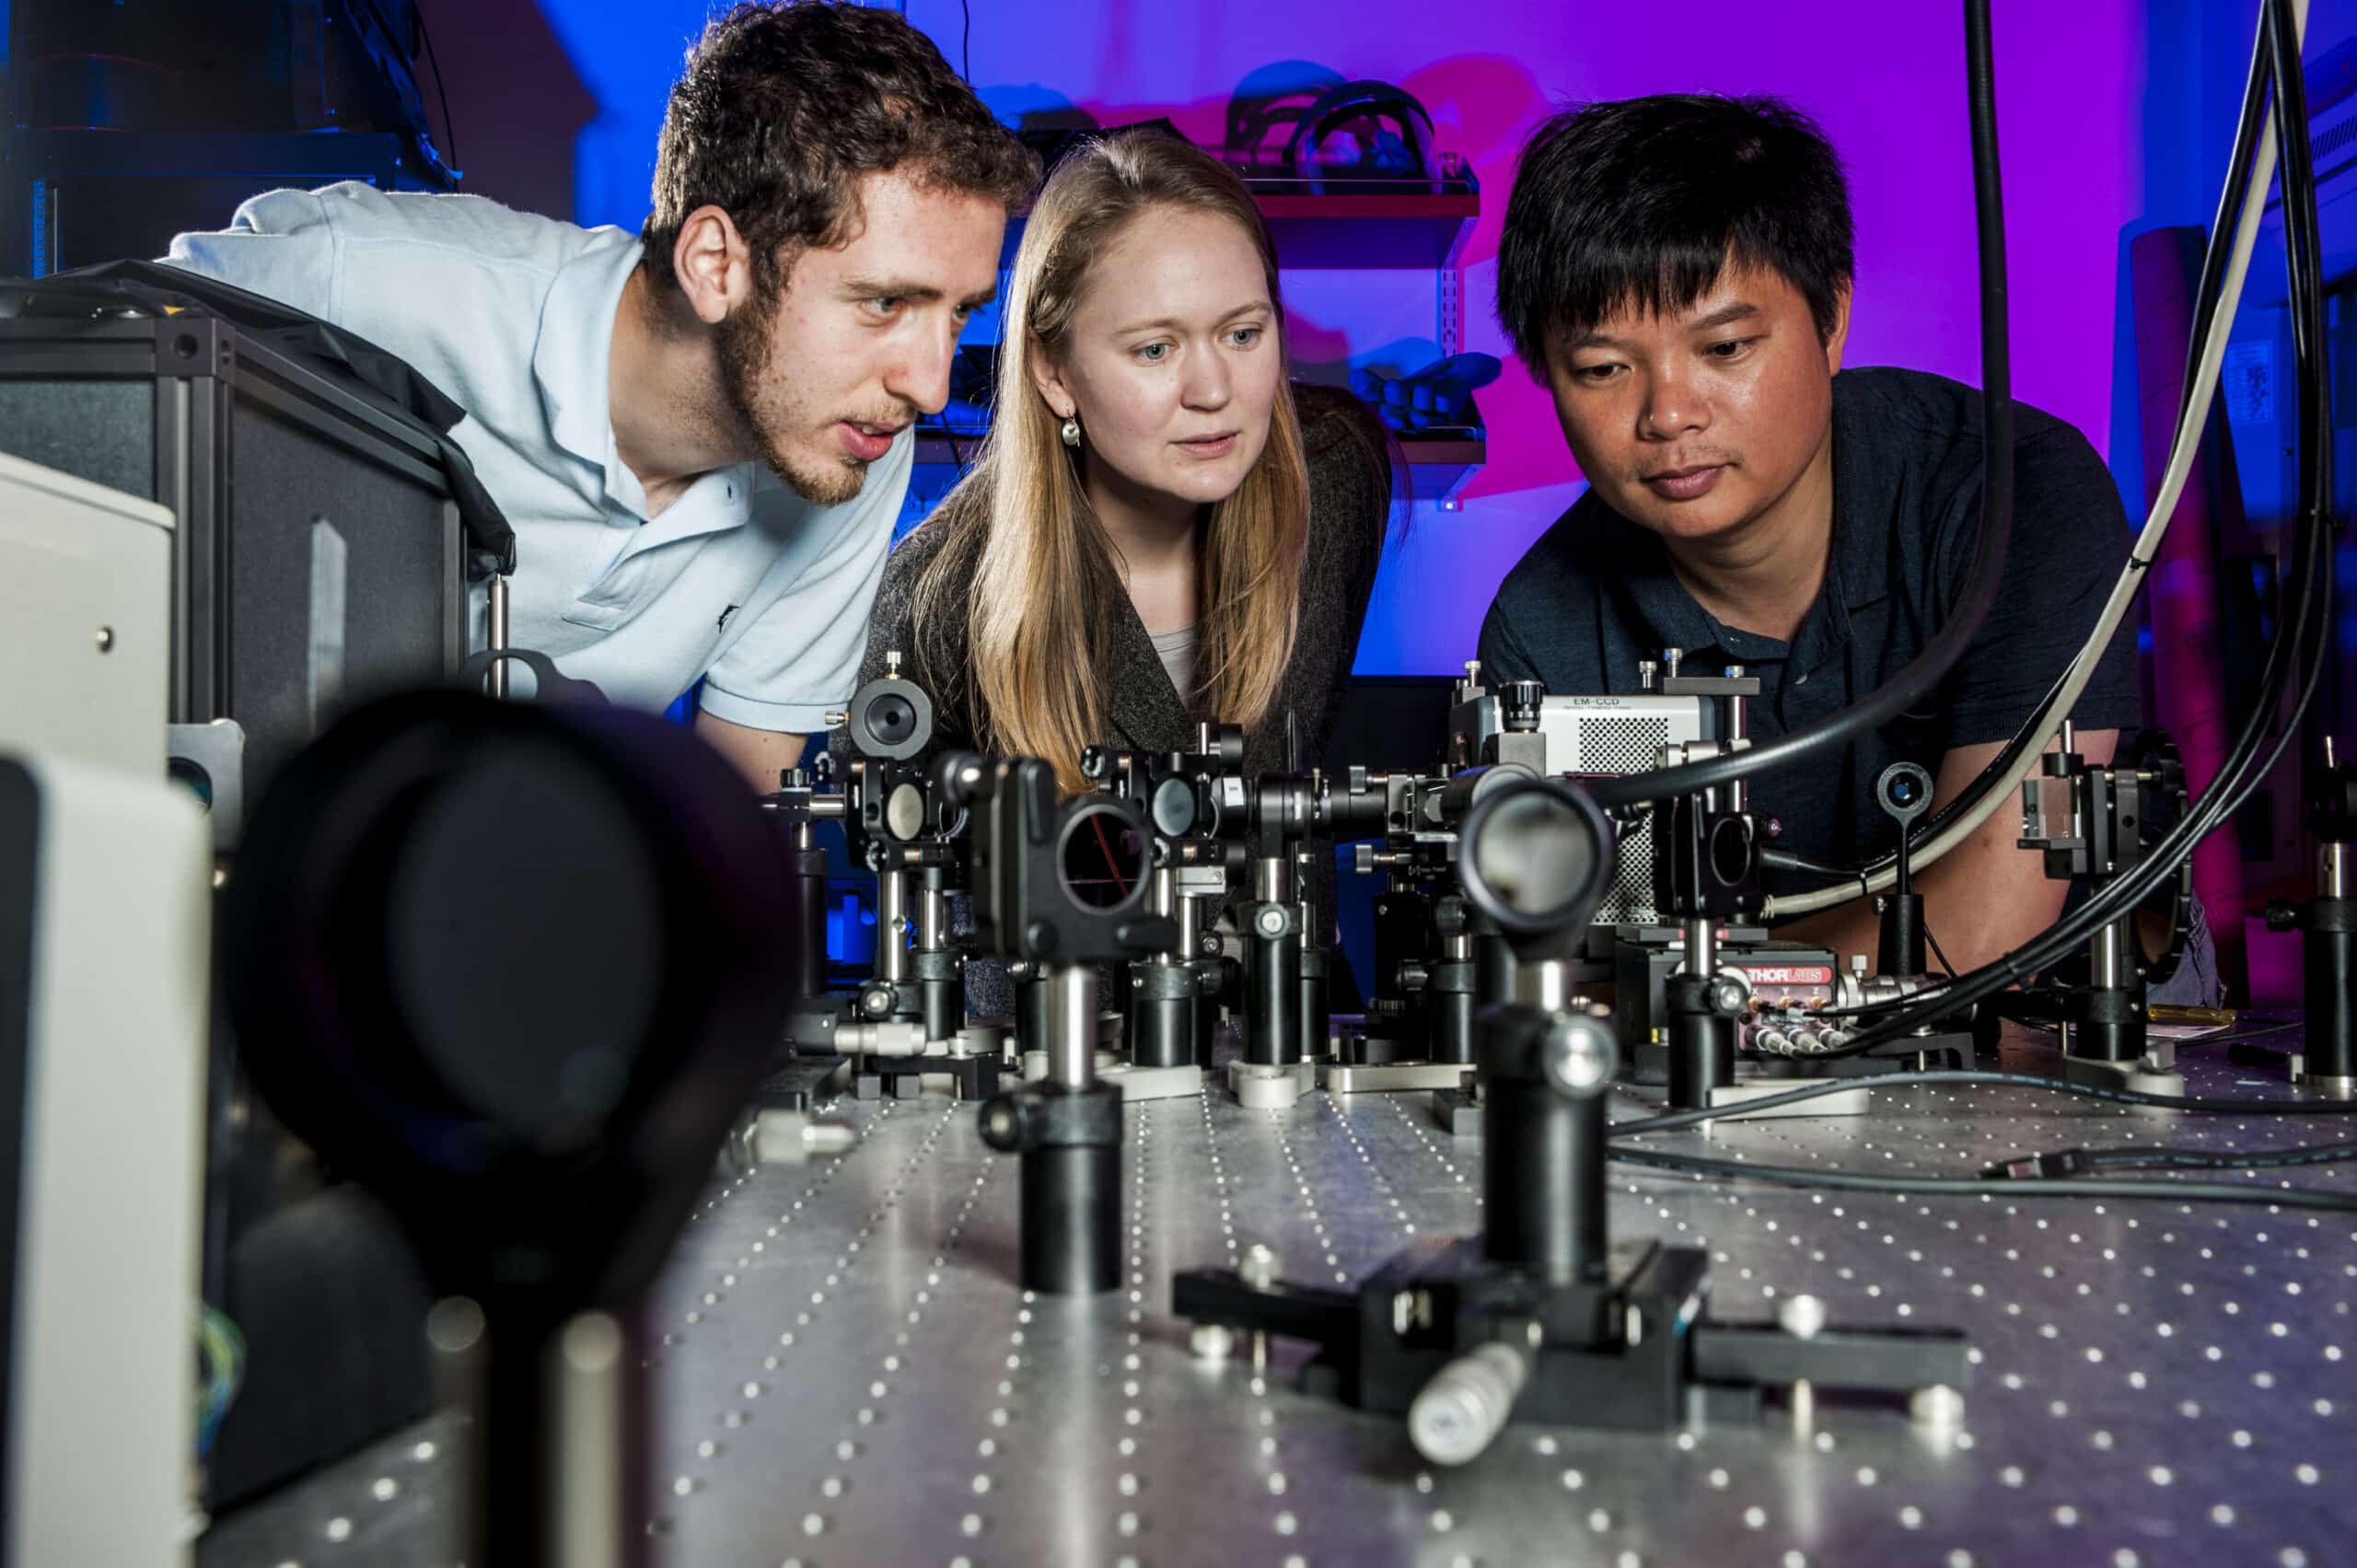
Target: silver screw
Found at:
x=1467, y=1404
x=1578, y=1055
x=1212, y=1341
x=1258, y=1273
x=1938, y=1409
x=1801, y=1316
x=828, y=1138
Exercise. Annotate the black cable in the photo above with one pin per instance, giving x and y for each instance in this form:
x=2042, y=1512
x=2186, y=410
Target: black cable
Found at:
x=2303, y=262
x=1925, y=672
x=2233, y=785
x=2211, y=1159
x=442, y=91
x=2231, y=198
x=2208, y=296
x=2207, y=301
x=1674, y=1121
x=1984, y=1187
x=2060, y=1163
x=1936, y=950
x=2318, y=661
x=2225, y=794
x=2312, y=617
x=1785, y=860
x=2304, y=256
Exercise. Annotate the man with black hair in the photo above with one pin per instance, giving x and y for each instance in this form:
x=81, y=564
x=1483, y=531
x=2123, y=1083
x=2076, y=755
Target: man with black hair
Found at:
x=1677, y=271
x=700, y=433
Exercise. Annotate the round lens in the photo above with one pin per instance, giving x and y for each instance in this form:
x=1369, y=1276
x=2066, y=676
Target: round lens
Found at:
x=892, y=719
x=1104, y=858
x=1537, y=855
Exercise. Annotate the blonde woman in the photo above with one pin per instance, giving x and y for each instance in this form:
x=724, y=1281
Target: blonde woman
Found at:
x=1161, y=529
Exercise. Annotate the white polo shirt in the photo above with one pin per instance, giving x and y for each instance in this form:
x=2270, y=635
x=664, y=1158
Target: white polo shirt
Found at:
x=513, y=316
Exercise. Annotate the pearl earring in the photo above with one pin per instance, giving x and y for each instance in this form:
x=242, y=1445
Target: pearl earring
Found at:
x=1071, y=430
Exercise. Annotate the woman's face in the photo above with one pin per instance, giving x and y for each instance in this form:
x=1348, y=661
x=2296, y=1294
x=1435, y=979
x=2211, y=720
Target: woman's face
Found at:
x=1173, y=358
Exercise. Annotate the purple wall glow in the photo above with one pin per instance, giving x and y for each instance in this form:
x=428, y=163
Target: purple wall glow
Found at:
x=1887, y=82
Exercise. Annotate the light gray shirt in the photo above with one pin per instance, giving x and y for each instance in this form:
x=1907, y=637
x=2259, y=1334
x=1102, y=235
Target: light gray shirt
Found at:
x=1177, y=652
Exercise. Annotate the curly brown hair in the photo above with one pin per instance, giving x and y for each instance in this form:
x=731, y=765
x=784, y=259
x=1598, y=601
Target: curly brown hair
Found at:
x=783, y=107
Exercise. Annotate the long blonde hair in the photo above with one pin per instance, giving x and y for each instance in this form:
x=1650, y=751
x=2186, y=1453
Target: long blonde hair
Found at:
x=1021, y=520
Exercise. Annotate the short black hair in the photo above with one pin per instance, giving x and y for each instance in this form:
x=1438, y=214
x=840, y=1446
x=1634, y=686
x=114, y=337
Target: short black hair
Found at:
x=1643, y=203
x=783, y=107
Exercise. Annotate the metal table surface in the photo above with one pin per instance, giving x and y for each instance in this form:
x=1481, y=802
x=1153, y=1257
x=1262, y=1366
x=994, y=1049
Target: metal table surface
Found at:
x=846, y=1372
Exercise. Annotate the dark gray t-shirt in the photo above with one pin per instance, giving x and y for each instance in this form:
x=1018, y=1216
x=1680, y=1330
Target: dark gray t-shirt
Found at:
x=1596, y=594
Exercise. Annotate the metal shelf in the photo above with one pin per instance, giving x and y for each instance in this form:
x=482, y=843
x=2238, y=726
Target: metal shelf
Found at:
x=1440, y=467
x=1368, y=231
x=1337, y=223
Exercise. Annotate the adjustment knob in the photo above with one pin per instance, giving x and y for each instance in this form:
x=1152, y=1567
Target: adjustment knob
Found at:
x=1521, y=701
x=1728, y=996
x=1468, y=1403
x=1006, y=1123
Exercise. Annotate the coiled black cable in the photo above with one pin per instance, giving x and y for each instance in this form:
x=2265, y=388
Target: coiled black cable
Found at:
x=2309, y=623
x=2208, y=294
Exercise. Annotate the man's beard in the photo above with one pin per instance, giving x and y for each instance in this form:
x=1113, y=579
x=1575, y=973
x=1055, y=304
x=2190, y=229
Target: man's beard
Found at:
x=744, y=351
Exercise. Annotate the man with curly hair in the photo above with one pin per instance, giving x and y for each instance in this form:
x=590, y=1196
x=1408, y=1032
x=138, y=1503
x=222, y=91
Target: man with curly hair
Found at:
x=702, y=432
